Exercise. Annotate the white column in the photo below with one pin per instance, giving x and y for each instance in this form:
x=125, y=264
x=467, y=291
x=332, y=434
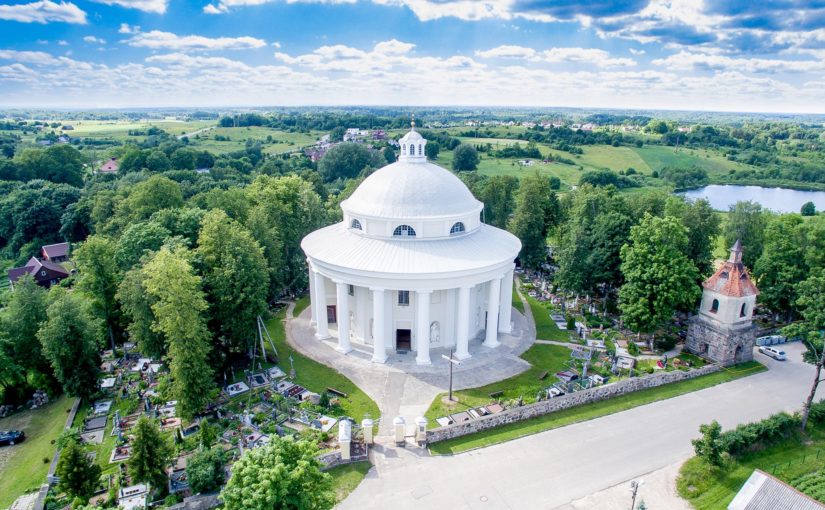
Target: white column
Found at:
x=342, y=296
x=321, y=327
x=493, y=301
x=423, y=327
x=462, y=346
x=506, y=305
x=379, y=351
x=312, y=296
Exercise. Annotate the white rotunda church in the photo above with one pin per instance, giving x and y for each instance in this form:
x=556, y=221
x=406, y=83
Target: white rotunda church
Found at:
x=411, y=267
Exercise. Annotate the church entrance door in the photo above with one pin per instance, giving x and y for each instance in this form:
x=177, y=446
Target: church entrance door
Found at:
x=403, y=339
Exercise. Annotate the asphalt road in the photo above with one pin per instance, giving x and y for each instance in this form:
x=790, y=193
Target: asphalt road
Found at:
x=550, y=469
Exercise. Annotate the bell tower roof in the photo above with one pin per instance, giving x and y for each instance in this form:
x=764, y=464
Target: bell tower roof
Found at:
x=732, y=278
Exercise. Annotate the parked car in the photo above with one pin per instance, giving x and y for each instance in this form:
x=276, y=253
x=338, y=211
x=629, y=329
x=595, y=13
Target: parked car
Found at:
x=11, y=437
x=772, y=352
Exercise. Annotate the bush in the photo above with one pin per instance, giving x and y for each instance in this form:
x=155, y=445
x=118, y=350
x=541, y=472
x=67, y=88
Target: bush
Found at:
x=632, y=348
x=762, y=433
x=710, y=446
x=808, y=209
x=571, y=323
x=205, y=470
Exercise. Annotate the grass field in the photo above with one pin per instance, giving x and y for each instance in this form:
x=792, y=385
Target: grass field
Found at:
x=347, y=477
x=22, y=467
x=282, y=141
x=542, y=357
x=317, y=377
x=546, y=329
x=590, y=411
x=709, y=488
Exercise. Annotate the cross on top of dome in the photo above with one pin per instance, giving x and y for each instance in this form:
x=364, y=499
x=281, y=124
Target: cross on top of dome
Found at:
x=412, y=146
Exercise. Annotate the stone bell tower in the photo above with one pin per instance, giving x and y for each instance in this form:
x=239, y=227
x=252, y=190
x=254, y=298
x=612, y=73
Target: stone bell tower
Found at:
x=723, y=330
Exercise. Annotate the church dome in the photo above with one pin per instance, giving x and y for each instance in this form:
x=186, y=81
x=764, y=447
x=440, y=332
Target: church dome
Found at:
x=407, y=190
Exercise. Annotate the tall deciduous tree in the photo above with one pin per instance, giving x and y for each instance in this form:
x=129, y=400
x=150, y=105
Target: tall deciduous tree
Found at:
x=136, y=304
x=99, y=278
x=179, y=309
x=536, y=211
x=659, y=278
x=703, y=226
x=71, y=337
x=465, y=158
x=781, y=266
x=235, y=277
x=138, y=240
x=811, y=329
x=284, y=475
x=19, y=322
x=746, y=222
x=205, y=470
x=498, y=193
x=150, y=453
x=347, y=160
x=78, y=474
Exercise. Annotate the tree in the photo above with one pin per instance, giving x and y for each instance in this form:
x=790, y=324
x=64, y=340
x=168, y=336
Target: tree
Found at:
x=497, y=195
x=19, y=322
x=746, y=222
x=71, y=337
x=235, y=278
x=284, y=475
x=150, y=453
x=781, y=266
x=808, y=209
x=389, y=155
x=204, y=470
x=659, y=278
x=432, y=149
x=99, y=278
x=136, y=305
x=703, y=226
x=157, y=161
x=709, y=446
x=536, y=210
x=811, y=329
x=78, y=474
x=152, y=195
x=59, y=163
x=138, y=240
x=347, y=160
x=465, y=158
x=179, y=309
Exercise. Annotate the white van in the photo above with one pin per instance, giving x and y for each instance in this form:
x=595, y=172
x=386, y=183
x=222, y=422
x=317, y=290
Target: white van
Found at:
x=772, y=352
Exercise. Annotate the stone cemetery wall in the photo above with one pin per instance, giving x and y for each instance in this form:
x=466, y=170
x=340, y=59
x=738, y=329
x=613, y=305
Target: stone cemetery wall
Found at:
x=566, y=401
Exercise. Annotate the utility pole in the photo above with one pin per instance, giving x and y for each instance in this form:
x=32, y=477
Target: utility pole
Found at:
x=452, y=362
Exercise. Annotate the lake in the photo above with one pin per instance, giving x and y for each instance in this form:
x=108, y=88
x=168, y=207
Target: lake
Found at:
x=783, y=200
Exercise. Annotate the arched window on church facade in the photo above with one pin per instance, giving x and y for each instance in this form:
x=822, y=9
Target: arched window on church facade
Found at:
x=404, y=231
x=355, y=224
x=457, y=228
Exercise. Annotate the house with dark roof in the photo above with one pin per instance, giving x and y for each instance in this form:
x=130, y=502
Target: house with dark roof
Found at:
x=55, y=252
x=765, y=492
x=44, y=272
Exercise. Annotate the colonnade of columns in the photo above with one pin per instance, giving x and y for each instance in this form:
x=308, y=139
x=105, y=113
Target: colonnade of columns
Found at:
x=499, y=315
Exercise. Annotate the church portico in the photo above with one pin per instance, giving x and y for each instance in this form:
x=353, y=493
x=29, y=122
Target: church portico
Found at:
x=411, y=268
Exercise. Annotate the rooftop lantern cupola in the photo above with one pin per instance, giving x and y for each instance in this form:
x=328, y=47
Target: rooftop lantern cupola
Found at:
x=412, y=146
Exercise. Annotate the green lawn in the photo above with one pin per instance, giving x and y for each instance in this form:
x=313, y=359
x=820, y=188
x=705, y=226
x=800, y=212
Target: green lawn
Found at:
x=347, y=477
x=282, y=141
x=517, y=304
x=543, y=357
x=546, y=329
x=301, y=305
x=707, y=488
x=318, y=377
x=22, y=467
x=590, y=411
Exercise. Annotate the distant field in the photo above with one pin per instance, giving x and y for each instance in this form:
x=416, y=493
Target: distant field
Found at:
x=120, y=130
x=282, y=141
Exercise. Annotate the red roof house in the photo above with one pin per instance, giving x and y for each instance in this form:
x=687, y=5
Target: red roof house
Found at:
x=55, y=252
x=109, y=167
x=44, y=272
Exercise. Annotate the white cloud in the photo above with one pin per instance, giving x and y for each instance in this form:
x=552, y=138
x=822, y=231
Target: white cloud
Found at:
x=637, y=52
x=94, y=40
x=29, y=57
x=125, y=28
x=157, y=39
x=62, y=43
x=685, y=60
x=154, y=6
x=508, y=51
x=590, y=56
x=44, y=11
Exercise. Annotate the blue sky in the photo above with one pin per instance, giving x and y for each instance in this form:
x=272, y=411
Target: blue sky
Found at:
x=731, y=55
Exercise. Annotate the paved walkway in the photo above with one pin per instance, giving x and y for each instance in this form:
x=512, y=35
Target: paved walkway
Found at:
x=556, y=468
x=401, y=387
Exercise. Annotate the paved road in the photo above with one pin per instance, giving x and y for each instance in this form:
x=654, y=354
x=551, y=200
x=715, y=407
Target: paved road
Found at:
x=550, y=469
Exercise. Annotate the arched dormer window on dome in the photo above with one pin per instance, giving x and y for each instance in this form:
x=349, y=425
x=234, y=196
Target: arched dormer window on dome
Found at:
x=457, y=228
x=355, y=224
x=403, y=231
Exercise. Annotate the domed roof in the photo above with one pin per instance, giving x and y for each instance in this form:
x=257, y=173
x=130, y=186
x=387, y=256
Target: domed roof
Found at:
x=408, y=190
